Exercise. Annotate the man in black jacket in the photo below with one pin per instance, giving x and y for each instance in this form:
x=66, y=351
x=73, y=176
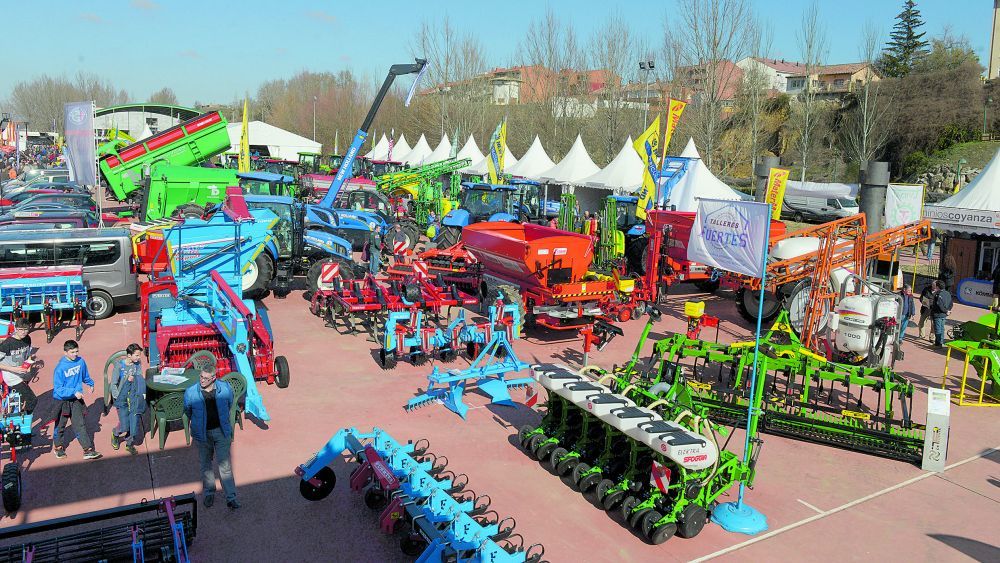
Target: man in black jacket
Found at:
x=940, y=307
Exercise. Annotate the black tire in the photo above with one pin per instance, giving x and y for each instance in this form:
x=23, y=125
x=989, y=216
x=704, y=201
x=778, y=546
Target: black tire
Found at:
x=387, y=359
x=586, y=484
x=328, y=481
x=524, y=433
x=567, y=465
x=602, y=489
x=188, y=211
x=661, y=534
x=612, y=500
x=579, y=468
x=797, y=217
x=258, y=276
x=747, y=300
x=412, y=547
x=531, y=444
x=691, y=521
x=281, y=372
x=646, y=522
x=312, y=276
x=544, y=450
x=556, y=456
x=628, y=504
x=375, y=499
x=11, y=481
x=99, y=305
x=449, y=236
x=412, y=234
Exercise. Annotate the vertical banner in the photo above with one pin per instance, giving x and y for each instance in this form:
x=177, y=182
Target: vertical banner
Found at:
x=777, y=179
x=243, y=162
x=646, y=146
x=904, y=204
x=494, y=164
x=79, y=119
x=392, y=142
x=730, y=235
x=674, y=110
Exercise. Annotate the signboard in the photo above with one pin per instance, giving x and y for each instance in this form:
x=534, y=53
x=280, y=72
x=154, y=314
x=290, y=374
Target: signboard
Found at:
x=777, y=178
x=903, y=203
x=80, y=148
x=951, y=217
x=975, y=292
x=936, y=434
x=731, y=235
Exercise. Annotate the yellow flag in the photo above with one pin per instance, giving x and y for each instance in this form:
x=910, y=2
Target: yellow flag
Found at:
x=243, y=164
x=646, y=145
x=494, y=164
x=777, y=178
x=674, y=110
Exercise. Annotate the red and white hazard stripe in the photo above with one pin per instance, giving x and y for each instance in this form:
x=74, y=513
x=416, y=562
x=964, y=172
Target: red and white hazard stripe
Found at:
x=420, y=269
x=660, y=476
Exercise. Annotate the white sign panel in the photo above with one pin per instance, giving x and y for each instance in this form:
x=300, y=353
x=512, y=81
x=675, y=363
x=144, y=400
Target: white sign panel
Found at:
x=731, y=235
x=978, y=293
x=960, y=217
x=903, y=204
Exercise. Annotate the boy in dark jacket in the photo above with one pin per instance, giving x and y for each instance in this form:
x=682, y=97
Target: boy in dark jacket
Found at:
x=907, y=312
x=68, y=379
x=940, y=308
x=15, y=363
x=128, y=393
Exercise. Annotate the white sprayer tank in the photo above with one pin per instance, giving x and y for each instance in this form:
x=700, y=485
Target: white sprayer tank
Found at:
x=856, y=315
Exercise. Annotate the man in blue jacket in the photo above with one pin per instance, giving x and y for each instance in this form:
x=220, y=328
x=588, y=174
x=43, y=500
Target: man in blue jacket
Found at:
x=68, y=380
x=128, y=394
x=207, y=405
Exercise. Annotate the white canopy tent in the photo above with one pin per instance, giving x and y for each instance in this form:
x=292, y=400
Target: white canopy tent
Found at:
x=280, y=144
x=380, y=150
x=533, y=163
x=470, y=151
x=399, y=148
x=417, y=154
x=975, y=209
x=441, y=152
x=573, y=168
x=623, y=174
x=479, y=168
x=697, y=182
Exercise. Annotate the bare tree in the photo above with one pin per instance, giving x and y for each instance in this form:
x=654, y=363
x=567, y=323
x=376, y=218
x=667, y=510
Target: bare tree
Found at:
x=865, y=130
x=164, y=95
x=812, y=48
x=40, y=101
x=613, y=54
x=756, y=86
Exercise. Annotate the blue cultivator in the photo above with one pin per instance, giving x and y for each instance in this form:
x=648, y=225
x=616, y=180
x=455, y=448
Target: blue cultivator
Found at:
x=439, y=518
x=488, y=371
x=52, y=292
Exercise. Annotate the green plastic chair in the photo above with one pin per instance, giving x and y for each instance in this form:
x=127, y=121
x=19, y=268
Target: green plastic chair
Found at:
x=108, y=369
x=239, y=386
x=168, y=408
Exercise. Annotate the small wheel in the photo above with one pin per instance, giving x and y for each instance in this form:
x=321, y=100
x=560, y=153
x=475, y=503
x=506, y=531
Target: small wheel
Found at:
x=328, y=479
x=588, y=482
x=375, y=499
x=567, y=465
x=281, y=372
x=636, y=517
x=578, y=470
x=647, y=520
x=661, y=534
x=603, y=487
x=524, y=433
x=627, y=506
x=11, y=482
x=691, y=521
x=612, y=500
x=531, y=444
x=555, y=456
x=412, y=546
x=544, y=450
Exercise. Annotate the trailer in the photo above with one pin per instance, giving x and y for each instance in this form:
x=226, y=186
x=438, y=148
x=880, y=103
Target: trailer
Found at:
x=56, y=294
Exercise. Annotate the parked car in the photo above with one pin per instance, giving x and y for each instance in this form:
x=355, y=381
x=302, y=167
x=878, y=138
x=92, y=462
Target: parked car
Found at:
x=62, y=218
x=818, y=209
x=39, y=175
x=15, y=198
x=60, y=199
x=42, y=184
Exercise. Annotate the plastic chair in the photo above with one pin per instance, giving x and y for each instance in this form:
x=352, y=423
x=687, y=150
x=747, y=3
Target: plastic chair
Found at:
x=108, y=370
x=166, y=409
x=239, y=387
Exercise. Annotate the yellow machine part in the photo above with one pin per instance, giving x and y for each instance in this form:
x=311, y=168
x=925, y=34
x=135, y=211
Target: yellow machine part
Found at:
x=694, y=309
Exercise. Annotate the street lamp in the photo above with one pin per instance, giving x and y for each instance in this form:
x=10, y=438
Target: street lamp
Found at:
x=648, y=67
x=958, y=183
x=314, y=118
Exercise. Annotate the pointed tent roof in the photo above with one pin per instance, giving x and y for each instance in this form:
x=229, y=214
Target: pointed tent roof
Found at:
x=279, y=142
x=400, y=148
x=979, y=200
x=479, y=168
x=418, y=153
x=534, y=162
x=470, y=150
x=442, y=152
x=623, y=174
x=380, y=150
x=697, y=182
x=575, y=166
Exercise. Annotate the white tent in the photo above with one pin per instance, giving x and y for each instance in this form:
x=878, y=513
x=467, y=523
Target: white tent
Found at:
x=623, y=174
x=442, y=152
x=400, y=148
x=573, y=168
x=975, y=209
x=533, y=163
x=380, y=150
x=479, y=168
x=697, y=182
x=417, y=154
x=470, y=151
x=279, y=143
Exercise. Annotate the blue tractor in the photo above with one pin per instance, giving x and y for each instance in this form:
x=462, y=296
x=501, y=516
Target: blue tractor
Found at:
x=519, y=201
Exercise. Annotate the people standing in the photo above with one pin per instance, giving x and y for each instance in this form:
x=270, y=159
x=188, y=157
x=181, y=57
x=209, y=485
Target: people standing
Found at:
x=128, y=394
x=207, y=405
x=940, y=308
x=947, y=273
x=15, y=363
x=907, y=312
x=926, y=300
x=68, y=379
x=996, y=287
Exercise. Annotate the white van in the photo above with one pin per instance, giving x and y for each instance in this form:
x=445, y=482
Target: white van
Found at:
x=819, y=209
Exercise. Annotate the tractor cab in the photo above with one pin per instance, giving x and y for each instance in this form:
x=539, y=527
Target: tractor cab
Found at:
x=366, y=199
x=383, y=167
x=309, y=162
x=288, y=230
x=528, y=201
x=485, y=202
x=266, y=183
x=624, y=213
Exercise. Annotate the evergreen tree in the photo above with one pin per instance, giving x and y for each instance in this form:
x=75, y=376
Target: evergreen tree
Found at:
x=906, y=44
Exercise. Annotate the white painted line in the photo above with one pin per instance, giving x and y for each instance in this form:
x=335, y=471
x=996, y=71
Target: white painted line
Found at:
x=809, y=505
x=840, y=508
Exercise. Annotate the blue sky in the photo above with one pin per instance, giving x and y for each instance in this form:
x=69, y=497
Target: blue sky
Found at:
x=213, y=51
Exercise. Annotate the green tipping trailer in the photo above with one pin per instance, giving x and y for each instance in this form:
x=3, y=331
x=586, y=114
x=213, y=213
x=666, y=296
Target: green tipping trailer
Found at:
x=184, y=190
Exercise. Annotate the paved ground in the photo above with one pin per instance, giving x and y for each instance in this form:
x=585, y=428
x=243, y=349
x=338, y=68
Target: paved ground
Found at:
x=822, y=504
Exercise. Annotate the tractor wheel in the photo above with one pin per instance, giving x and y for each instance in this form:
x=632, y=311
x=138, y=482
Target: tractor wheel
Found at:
x=258, y=276
x=603, y=487
x=99, y=305
x=189, y=211
x=628, y=504
x=661, y=534
x=281, y=372
x=312, y=276
x=612, y=500
x=691, y=521
x=328, y=479
x=645, y=524
x=11, y=481
x=524, y=433
x=747, y=302
x=555, y=457
x=411, y=546
x=375, y=499
x=544, y=450
x=449, y=237
x=531, y=444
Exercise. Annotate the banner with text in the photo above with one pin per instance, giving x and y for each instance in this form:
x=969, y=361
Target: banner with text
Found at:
x=494, y=161
x=646, y=146
x=777, y=178
x=904, y=204
x=79, y=118
x=730, y=235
